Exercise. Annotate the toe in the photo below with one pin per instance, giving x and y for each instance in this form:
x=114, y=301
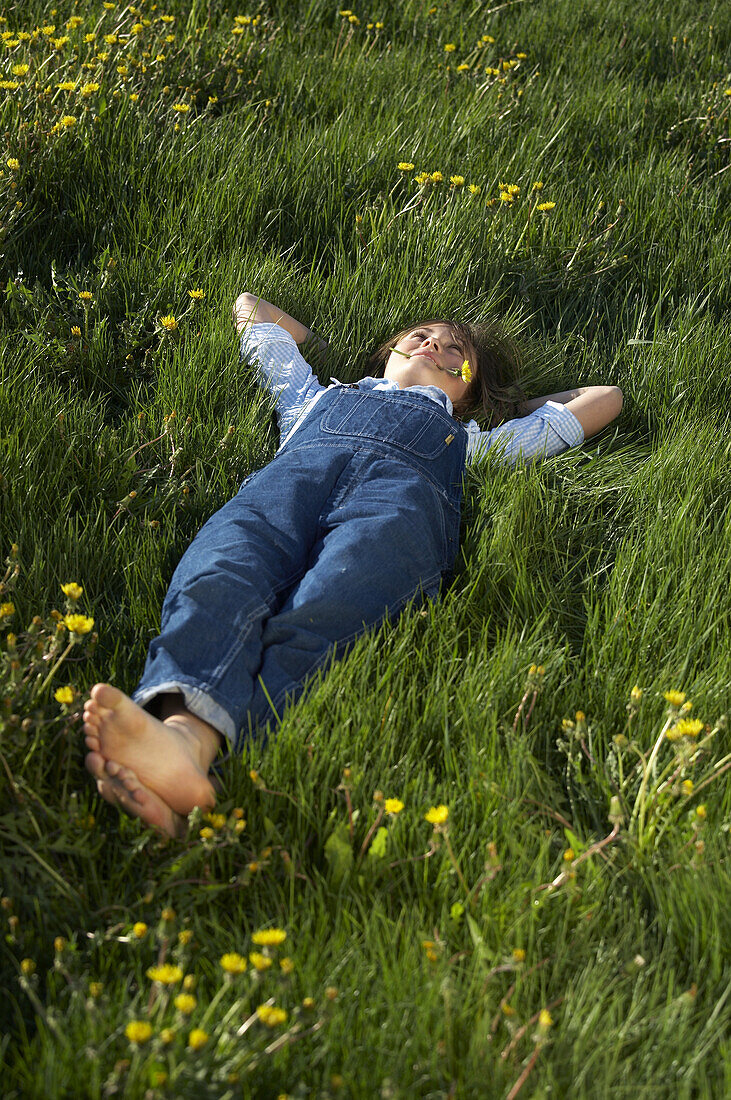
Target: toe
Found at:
x=95, y=765
x=106, y=695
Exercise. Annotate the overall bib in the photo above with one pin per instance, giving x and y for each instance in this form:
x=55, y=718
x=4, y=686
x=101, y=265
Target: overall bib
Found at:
x=357, y=515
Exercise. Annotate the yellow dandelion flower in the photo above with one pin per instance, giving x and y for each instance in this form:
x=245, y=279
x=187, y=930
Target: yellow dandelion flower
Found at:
x=13, y=164
x=569, y=855
x=197, y=1038
x=167, y=974
x=66, y=86
x=700, y=811
x=206, y=833
x=684, y=727
x=185, y=936
x=167, y=1036
x=466, y=372
x=96, y=989
x=90, y=88
x=450, y=47
x=269, y=937
x=259, y=961
x=185, y=1003
x=436, y=177
x=421, y=179
x=217, y=821
x=271, y=1015
x=168, y=914
x=138, y=1031
x=544, y=207
x=78, y=624
x=28, y=967
x=8, y=85
x=687, y=786
x=233, y=963
x=505, y=196
x=456, y=181
x=169, y=323
x=140, y=928
x=197, y=295
x=487, y=38
x=545, y=1019
x=462, y=68
x=72, y=590
x=474, y=189
x=89, y=38
x=405, y=166
x=189, y=983
x=110, y=39
x=675, y=698
x=6, y=610
x=75, y=330
x=636, y=694
x=437, y=815
x=64, y=695
x=86, y=296
x=286, y=965
x=354, y=20
x=181, y=108
x=518, y=955
x=393, y=806
x=137, y=28
x=20, y=70
x=74, y=22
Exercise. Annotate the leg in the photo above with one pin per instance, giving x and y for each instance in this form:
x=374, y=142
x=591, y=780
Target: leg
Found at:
x=233, y=576
x=381, y=550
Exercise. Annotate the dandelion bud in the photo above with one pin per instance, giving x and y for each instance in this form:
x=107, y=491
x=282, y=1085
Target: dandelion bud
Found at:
x=615, y=815
x=28, y=967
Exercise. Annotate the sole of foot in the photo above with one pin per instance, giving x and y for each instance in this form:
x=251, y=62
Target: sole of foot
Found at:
x=164, y=760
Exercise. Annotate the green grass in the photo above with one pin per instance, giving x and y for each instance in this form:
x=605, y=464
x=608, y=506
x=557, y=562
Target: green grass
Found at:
x=608, y=566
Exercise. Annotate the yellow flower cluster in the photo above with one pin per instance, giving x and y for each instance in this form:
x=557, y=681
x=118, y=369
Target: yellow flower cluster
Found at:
x=167, y=974
x=271, y=1015
x=269, y=937
x=437, y=815
x=233, y=963
x=138, y=1031
x=78, y=624
x=684, y=727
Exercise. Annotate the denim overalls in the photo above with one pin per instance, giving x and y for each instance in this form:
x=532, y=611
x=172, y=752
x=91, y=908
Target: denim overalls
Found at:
x=356, y=515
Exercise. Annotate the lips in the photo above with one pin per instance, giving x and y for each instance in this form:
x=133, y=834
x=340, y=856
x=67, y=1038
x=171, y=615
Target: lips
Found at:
x=425, y=355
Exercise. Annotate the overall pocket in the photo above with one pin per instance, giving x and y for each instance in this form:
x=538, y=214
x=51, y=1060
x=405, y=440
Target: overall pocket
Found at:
x=398, y=421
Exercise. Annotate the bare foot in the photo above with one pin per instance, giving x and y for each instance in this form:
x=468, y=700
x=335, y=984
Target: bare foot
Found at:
x=164, y=765
x=122, y=788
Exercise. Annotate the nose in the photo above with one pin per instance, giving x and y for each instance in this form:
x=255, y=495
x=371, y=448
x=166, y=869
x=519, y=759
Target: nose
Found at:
x=430, y=340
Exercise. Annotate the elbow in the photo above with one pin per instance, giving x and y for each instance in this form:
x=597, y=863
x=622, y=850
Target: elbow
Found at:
x=618, y=399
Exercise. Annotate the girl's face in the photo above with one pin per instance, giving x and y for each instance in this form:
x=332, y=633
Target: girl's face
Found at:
x=429, y=355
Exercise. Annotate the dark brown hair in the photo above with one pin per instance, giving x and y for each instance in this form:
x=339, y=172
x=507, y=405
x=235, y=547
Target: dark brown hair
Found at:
x=494, y=393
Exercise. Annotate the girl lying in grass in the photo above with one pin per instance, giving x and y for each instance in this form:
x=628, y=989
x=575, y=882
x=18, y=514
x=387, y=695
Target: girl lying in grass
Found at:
x=356, y=516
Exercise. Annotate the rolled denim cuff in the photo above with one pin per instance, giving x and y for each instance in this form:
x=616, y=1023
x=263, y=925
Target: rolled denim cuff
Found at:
x=197, y=702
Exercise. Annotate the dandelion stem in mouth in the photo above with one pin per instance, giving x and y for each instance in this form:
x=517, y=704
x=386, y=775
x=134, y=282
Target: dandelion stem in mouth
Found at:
x=407, y=356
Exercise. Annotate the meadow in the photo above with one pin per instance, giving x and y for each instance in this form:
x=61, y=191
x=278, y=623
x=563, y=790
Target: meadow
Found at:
x=486, y=855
